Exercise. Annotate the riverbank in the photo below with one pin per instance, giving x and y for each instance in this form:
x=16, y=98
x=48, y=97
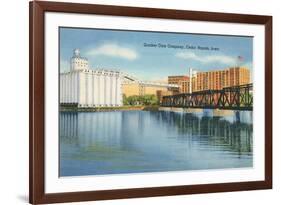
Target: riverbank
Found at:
x=109, y=109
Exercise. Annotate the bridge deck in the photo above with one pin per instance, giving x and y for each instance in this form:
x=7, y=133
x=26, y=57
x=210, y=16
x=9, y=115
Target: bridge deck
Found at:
x=229, y=98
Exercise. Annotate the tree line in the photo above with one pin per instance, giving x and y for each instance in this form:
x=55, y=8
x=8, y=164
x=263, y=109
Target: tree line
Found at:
x=140, y=100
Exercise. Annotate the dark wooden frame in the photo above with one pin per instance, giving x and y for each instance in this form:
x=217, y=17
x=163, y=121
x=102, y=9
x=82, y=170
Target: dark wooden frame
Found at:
x=37, y=95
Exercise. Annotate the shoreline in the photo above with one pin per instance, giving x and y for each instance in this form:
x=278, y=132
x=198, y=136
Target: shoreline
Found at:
x=215, y=112
x=108, y=109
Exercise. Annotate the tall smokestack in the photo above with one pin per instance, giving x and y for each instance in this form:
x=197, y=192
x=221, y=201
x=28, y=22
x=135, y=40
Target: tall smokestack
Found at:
x=190, y=80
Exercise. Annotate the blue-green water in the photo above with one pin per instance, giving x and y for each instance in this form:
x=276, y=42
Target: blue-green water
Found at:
x=98, y=143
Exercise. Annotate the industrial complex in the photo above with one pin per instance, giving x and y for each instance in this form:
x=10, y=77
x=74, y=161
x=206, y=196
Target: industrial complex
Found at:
x=83, y=86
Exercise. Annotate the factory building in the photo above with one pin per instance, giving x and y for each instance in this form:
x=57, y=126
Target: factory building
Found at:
x=138, y=89
x=211, y=80
x=219, y=79
x=85, y=87
x=141, y=88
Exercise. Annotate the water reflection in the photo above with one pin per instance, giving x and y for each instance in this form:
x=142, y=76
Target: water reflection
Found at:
x=143, y=141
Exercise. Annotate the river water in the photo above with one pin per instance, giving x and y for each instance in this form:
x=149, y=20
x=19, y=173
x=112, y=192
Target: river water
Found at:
x=98, y=143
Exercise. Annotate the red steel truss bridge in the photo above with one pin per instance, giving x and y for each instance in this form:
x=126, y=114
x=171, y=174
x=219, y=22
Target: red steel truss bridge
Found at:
x=229, y=98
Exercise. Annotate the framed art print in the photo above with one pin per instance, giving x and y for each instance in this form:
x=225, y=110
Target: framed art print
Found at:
x=138, y=102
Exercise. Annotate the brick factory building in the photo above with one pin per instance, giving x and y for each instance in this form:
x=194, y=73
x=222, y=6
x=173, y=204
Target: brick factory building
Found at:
x=176, y=79
x=181, y=81
x=212, y=80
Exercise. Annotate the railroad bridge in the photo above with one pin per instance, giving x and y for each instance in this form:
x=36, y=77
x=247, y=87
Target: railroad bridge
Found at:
x=229, y=98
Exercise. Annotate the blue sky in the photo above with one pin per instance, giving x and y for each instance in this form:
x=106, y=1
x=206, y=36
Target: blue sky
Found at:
x=128, y=51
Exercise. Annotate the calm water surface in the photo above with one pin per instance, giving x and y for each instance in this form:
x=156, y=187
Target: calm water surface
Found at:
x=145, y=141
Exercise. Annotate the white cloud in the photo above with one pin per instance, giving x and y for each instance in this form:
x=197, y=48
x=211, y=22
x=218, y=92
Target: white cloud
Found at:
x=114, y=50
x=223, y=59
x=64, y=66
